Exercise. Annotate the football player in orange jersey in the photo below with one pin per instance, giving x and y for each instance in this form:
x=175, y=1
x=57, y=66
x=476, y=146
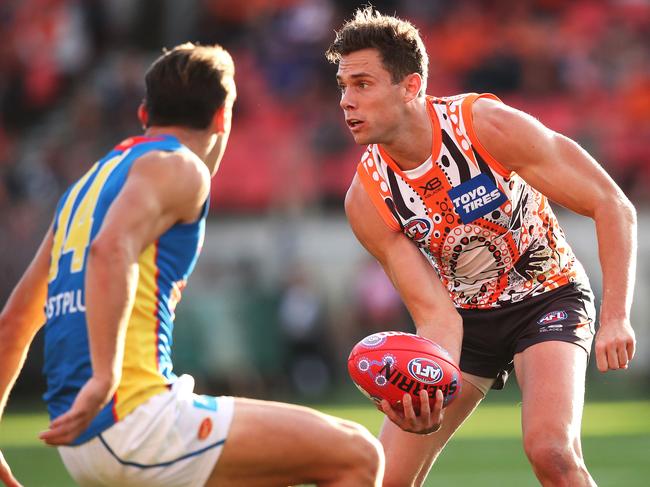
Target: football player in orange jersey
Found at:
x=124, y=240
x=451, y=197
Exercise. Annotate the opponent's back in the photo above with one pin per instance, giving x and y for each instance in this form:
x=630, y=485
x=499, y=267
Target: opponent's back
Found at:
x=163, y=269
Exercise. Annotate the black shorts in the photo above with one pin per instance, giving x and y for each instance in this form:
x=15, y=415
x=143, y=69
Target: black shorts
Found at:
x=492, y=337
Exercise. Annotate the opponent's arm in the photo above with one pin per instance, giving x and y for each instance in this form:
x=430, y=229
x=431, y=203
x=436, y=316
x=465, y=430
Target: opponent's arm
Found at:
x=161, y=190
x=417, y=283
x=22, y=316
x=567, y=174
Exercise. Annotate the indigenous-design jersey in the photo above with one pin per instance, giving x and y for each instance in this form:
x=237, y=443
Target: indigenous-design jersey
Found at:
x=492, y=238
x=164, y=267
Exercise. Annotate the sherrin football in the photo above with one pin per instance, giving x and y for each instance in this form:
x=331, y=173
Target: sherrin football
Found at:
x=389, y=364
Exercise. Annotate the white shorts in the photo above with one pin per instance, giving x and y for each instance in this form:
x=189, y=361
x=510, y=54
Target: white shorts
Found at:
x=174, y=439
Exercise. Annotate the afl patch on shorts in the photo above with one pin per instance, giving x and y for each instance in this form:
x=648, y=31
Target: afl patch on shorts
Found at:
x=492, y=337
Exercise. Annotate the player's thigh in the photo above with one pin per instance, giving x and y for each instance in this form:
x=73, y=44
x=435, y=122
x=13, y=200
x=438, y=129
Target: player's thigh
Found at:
x=272, y=443
x=551, y=376
x=409, y=455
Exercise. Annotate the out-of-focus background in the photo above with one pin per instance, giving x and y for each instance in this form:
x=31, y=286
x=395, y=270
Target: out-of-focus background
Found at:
x=283, y=290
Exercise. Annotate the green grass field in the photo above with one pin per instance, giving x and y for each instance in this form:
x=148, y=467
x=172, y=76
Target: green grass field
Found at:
x=485, y=452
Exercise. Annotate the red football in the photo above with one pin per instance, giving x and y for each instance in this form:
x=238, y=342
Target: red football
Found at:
x=389, y=364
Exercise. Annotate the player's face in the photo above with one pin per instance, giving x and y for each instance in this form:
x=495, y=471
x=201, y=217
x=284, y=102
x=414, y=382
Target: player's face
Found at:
x=370, y=100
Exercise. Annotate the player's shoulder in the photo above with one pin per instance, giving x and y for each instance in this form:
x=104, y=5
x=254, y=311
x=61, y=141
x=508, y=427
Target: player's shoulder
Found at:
x=180, y=166
x=491, y=117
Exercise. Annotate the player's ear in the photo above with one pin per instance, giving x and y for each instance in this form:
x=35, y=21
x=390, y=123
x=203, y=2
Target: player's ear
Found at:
x=412, y=84
x=219, y=120
x=143, y=116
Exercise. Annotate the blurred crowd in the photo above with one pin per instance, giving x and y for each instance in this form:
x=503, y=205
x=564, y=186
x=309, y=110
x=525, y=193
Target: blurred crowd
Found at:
x=71, y=78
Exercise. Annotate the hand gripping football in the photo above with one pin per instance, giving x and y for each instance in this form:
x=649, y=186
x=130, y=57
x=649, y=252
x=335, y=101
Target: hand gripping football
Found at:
x=389, y=364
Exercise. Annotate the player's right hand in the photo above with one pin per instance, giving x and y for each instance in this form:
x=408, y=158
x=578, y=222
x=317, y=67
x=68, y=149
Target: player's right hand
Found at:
x=427, y=422
x=5, y=474
x=91, y=399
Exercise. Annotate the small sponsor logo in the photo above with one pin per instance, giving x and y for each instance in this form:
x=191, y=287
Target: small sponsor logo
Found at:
x=476, y=197
x=425, y=370
x=553, y=317
x=547, y=328
x=375, y=340
x=417, y=229
x=432, y=185
x=205, y=428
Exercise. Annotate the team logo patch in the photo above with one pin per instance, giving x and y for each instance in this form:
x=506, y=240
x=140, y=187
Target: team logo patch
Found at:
x=205, y=428
x=417, y=229
x=553, y=317
x=425, y=370
x=476, y=197
x=373, y=341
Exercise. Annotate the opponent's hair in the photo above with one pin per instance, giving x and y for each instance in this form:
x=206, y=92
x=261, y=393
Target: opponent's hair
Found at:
x=398, y=42
x=186, y=85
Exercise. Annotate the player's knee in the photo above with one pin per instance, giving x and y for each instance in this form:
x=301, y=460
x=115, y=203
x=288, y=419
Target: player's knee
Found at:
x=552, y=456
x=365, y=457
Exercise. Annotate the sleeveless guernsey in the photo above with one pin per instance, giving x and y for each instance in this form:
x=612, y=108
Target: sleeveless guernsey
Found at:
x=164, y=267
x=492, y=238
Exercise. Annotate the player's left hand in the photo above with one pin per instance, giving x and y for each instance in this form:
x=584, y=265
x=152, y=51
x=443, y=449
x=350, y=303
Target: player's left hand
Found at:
x=427, y=422
x=91, y=399
x=615, y=344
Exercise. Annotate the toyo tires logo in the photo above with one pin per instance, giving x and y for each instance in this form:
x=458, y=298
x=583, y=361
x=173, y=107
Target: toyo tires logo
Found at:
x=425, y=370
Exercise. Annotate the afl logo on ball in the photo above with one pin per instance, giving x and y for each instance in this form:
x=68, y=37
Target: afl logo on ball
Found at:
x=417, y=229
x=425, y=370
x=373, y=341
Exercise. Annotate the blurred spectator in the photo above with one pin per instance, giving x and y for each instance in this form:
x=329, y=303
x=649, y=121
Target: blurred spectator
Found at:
x=301, y=314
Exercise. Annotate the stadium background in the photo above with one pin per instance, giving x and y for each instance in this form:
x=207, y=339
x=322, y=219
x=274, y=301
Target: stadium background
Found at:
x=283, y=290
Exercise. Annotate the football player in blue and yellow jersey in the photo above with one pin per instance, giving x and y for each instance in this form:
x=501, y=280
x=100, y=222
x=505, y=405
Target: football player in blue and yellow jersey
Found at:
x=105, y=282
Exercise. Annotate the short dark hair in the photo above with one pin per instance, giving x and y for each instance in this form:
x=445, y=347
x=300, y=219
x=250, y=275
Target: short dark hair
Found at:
x=398, y=42
x=186, y=85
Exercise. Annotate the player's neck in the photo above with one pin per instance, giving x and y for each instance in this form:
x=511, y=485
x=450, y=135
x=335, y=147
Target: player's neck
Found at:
x=410, y=144
x=198, y=141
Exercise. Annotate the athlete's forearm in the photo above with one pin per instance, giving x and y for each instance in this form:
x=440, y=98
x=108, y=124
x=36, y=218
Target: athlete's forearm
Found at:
x=617, y=247
x=426, y=299
x=13, y=352
x=22, y=316
x=111, y=282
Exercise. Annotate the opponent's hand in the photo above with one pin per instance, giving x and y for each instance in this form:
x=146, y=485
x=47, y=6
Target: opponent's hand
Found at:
x=427, y=422
x=91, y=399
x=5, y=474
x=615, y=344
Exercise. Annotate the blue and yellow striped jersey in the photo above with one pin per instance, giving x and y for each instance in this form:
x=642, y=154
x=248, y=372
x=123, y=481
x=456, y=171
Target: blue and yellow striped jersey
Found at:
x=163, y=270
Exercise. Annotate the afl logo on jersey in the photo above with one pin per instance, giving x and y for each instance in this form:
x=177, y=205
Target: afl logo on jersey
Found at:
x=417, y=229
